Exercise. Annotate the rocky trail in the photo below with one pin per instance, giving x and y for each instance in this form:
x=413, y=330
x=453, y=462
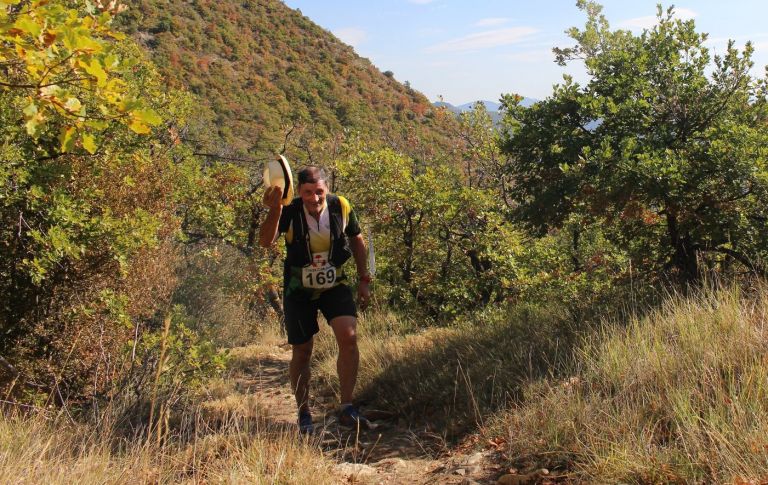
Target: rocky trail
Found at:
x=392, y=453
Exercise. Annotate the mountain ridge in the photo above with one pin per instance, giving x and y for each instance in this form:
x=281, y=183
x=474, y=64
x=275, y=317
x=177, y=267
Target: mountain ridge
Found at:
x=264, y=73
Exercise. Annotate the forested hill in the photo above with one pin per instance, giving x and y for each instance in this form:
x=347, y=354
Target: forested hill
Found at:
x=260, y=68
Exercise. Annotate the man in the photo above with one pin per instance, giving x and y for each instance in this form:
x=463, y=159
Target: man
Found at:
x=321, y=233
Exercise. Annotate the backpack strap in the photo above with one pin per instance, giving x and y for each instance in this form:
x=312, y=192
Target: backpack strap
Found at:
x=299, y=237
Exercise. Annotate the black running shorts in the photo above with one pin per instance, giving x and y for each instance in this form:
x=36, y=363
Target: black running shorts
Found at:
x=301, y=311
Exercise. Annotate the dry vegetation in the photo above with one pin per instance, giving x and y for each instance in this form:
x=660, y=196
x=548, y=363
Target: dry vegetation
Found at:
x=680, y=395
x=34, y=450
x=676, y=396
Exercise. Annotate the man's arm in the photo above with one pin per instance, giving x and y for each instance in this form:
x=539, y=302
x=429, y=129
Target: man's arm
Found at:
x=357, y=245
x=268, y=229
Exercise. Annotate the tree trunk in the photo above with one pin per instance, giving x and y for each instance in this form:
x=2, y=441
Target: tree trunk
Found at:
x=684, y=256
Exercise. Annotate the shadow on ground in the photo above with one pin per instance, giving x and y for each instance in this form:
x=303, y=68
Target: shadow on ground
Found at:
x=447, y=381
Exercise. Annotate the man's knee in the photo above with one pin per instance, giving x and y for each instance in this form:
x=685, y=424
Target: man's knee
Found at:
x=345, y=329
x=302, y=352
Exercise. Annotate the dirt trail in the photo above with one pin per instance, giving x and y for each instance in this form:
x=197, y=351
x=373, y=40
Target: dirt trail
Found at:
x=393, y=453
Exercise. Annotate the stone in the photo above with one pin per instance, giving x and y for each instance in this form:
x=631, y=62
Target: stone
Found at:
x=356, y=470
x=474, y=459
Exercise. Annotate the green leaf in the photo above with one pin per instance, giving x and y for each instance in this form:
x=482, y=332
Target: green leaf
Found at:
x=97, y=124
x=32, y=125
x=30, y=110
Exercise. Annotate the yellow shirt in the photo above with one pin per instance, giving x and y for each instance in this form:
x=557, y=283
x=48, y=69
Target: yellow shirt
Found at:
x=320, y=229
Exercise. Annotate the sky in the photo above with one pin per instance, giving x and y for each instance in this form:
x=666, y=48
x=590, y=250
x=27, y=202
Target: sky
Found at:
x=469, y=50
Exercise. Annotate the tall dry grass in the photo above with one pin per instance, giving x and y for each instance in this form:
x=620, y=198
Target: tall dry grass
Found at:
x=35, y=450
x=224, y=436
x=680, y=395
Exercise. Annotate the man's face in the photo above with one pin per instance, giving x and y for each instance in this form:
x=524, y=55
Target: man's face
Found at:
x=313, y=195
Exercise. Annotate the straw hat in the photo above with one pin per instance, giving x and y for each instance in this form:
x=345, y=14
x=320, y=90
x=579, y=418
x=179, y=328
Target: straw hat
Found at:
x=278, y=173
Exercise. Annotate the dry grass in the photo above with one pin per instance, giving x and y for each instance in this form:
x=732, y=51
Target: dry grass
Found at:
x=678, y=396
x=34, y=450
x=227, y=437
x=450, y=379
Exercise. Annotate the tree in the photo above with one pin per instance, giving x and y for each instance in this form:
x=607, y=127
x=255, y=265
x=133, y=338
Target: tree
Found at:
x=440, y=244
x=86, y=195
x=664, y=146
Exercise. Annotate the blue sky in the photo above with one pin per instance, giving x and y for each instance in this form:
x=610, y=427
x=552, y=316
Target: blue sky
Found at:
x=467, y=50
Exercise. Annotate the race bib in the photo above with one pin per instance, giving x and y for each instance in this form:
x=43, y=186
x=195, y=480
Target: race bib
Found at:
x=319, y=274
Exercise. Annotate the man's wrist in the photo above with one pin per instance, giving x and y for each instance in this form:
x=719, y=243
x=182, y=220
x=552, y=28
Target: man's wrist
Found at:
x=366, y=278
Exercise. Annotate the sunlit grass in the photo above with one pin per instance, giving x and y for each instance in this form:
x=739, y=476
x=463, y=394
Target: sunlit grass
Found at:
x=678, y=396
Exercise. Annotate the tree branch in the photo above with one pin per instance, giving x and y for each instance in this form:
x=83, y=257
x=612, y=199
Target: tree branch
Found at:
x=742, y=258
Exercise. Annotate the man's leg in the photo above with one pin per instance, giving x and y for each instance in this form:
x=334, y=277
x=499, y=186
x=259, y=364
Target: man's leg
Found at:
x=345, y=330
x=300, y=374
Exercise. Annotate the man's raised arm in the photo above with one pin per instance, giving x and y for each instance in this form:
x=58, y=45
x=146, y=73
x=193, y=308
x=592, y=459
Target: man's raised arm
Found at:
x=268, y=229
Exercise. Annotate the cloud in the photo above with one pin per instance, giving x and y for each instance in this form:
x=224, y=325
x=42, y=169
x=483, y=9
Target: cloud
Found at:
x=651, y=20
x=353, y=36
x=491, y=21
x=483, y=40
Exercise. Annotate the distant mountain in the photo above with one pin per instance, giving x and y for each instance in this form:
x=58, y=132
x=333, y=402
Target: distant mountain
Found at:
x=491, y=106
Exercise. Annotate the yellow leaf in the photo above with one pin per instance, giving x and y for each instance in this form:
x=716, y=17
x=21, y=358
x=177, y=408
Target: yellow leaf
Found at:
x=95, y=70
x=73, y=105
x=89, y=143
x=138, y=127
x=29, y=26
x=67, y=138
x=148, y=116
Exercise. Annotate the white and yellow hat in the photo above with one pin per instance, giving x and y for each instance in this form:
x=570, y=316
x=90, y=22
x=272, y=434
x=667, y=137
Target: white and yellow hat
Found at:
x=278, y=173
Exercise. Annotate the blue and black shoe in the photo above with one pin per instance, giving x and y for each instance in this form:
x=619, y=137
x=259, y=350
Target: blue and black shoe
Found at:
x=305, y=423
x=352, y=418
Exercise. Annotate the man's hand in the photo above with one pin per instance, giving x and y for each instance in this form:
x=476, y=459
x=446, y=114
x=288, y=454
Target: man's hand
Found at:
x=363, y=294
x=273, y=197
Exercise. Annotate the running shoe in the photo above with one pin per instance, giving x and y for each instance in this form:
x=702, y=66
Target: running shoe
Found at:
x=352, y=418
x=305, y=423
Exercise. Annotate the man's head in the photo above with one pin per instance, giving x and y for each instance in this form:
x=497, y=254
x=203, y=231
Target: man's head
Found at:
x=313, y=188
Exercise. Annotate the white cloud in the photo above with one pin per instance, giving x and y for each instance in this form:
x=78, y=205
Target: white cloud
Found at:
x=651, y=20
x=484, y=40
x=491, y=21
x=353, y=36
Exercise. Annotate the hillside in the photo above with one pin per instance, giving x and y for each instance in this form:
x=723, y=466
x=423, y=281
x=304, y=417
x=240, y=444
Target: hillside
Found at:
x=260, y=68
